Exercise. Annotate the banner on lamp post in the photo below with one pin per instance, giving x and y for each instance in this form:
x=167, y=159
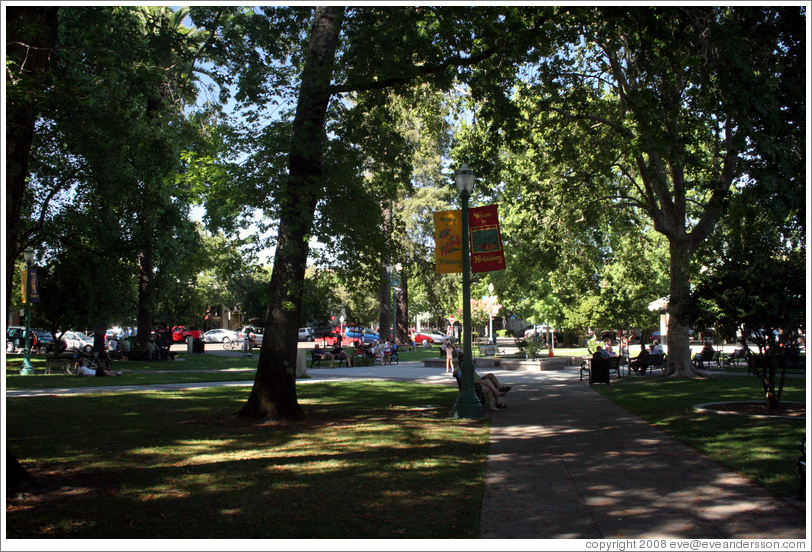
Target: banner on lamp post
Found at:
x=487, y=254
x=448, y=241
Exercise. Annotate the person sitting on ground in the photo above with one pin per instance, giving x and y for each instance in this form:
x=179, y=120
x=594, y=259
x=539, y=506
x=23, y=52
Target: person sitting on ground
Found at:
x=490, y=387
x=338, y=353
x=82, y=370
x=656, y=349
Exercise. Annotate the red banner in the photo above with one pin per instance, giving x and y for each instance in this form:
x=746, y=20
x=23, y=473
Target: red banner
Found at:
x=487, y=254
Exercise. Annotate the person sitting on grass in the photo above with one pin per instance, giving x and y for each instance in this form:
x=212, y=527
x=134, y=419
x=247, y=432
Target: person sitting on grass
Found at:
x=82, y=370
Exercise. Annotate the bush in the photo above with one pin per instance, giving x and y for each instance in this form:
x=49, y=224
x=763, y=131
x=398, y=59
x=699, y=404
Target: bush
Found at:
x=504, y=333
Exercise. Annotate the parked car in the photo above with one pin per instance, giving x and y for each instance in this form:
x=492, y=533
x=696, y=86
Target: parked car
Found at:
x=421, y=338
x=436, y=336
x=360, y=333
x=305, y=334
x=243, y=331
x=77, y=341
x=15, y=338
x=180, y=333
x=220, y=336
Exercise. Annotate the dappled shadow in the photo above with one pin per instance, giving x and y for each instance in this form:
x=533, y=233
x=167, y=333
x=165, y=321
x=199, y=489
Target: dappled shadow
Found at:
x=565, y=462
x=183, y=465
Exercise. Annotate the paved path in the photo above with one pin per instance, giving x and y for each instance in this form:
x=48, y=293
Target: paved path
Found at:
x=565, y=462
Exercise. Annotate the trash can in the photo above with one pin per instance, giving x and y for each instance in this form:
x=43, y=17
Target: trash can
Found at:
x=190, y=344
x=199, y=346
x=599, y=371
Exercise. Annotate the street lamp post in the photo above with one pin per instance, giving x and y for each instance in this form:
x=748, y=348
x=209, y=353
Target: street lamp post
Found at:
x=467, y=405
x=28, y=369
x=490, y=314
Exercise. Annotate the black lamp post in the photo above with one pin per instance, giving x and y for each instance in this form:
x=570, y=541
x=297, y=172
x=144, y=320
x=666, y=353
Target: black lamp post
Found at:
x=467, y=405
x=27, y=368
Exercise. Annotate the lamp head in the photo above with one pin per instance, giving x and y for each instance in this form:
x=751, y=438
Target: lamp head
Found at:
x=465, y=179
x=28, y=255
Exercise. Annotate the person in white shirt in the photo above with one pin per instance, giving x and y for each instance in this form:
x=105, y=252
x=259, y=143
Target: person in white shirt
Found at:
x=657, y=349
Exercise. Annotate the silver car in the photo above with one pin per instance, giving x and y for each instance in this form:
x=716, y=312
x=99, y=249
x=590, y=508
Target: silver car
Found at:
x=305, y=334
x=78, y=341
x=219, y=336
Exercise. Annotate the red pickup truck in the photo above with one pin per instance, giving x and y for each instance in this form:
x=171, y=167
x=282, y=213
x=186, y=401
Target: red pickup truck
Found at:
x=179, y=333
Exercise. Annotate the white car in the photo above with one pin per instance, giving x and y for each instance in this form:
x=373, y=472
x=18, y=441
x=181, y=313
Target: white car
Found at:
x=78, y=341
x=305, y=334
x=219, y=336
x=436, y=337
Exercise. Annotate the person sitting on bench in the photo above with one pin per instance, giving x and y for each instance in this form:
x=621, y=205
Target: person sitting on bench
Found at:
x=339, y=353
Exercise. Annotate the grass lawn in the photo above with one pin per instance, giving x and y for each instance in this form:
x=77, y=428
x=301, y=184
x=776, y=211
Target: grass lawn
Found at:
x=372, y=460
x=763, y=450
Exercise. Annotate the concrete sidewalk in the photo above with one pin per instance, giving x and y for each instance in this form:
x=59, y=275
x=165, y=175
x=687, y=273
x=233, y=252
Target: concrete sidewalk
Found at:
x=565, y=462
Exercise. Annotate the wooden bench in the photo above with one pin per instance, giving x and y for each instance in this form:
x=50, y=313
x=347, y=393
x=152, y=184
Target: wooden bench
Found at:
x=490, y=350
x=316, y=360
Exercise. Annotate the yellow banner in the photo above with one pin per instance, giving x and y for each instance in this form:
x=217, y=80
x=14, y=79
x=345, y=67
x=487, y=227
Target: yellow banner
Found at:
x=448, y=241
x=24, y=285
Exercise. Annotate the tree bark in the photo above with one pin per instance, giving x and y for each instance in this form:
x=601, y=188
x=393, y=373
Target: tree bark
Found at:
x=402, y=318
x=274, y=392
x=146, y=275
x=32, y=35
x=385, y=302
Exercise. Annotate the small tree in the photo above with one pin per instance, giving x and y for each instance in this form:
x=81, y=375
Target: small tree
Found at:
x=763, y=295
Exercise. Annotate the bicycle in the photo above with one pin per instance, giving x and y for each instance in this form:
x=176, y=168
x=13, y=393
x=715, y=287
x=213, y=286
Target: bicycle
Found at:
x=234, y=345
x=92, y=360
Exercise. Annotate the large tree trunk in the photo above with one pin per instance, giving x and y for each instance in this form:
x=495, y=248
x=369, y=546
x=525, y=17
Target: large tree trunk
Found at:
x=679, y=347
x=385, y=302
x=274, y=391
x=146, y=277
x=402, y=318
x=31, y=36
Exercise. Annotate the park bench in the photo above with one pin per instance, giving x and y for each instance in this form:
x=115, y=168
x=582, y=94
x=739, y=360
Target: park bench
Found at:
x=735, y=357
x=708, y=360
x=490, y=350
x=648, y=362
x=316, y=360
x=60, y=364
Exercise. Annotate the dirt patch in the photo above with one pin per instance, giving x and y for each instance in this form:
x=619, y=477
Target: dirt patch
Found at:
x=756, y=408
